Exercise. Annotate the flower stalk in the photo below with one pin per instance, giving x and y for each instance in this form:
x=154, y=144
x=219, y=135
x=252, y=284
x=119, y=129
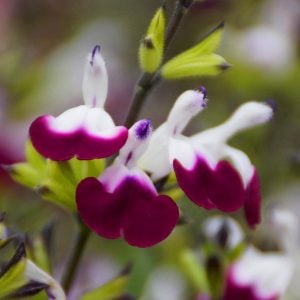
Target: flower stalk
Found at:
x=147, y=81
x=75, y=256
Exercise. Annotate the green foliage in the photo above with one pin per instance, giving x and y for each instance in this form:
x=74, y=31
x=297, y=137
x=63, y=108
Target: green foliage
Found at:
x=12, y=276
x=199, y=60
x=152, y=45
x=54, y=181
x=109, y=291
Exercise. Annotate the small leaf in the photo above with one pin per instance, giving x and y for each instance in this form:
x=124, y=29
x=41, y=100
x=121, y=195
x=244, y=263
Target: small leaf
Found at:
x=25, y=174
x=114, y=289
x=152, y=45
x=33, y=157
x=198, y=60
x=12, y=275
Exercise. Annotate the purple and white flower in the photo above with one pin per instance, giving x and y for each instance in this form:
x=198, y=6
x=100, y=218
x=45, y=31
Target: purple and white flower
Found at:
x=123, y=202
x=258, y=276
x=212, y=174
x=86, y=131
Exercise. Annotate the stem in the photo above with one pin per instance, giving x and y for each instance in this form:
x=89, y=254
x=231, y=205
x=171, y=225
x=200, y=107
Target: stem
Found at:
x=75, y=257
x=147, y=81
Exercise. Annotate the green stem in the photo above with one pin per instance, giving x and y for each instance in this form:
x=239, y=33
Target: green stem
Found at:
x=75, y=256
x=147, y=81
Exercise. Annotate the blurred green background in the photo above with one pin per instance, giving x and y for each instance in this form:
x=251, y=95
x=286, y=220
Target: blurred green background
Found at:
x=43, y=45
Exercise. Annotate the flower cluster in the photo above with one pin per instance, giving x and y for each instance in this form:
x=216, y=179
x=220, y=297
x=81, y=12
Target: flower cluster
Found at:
x=123, y=200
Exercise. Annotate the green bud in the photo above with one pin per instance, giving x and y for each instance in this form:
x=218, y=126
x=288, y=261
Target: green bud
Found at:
x=152, y=45
x=198, y=60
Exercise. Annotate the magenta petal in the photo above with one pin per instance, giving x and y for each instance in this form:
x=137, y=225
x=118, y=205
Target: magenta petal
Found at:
x=57, y=146
x=133, y=210
x=193, y=182
x=253, y=201
x=148, y=222
x=91, y=147
x=225, y=187
x=102, y=212
x=221, y=188
x=235, y=291
x=64, y=145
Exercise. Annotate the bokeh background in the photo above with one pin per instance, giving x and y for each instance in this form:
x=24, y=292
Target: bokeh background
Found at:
x=43, y=45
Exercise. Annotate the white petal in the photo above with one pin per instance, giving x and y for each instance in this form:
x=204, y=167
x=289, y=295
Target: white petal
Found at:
x=98, y=121
x=248, y=115
x=95, y=120
x=213, y=225
x=36, y=274
x=138, y=140
x=269, y=274
x=241, y=162
x=187, y=105
x=116, y=173
x=95, y=80
x=70, y=120
x=156, y=158
x=183, y=151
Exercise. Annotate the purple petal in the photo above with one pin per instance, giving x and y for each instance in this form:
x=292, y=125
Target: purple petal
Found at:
x=236, y=291
x=102, y=212
x=148, y=222
x=253, y=201
x=133, y=210
x=225, y=187
x=193, y=182
x=64, y=145
x=220, y=188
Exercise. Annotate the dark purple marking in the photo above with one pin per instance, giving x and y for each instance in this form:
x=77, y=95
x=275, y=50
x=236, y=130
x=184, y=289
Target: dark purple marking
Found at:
x=143, y=129
x=95, y=50
x=80, y=143
x=203, y=90
x=272, y=103
x=132, y=211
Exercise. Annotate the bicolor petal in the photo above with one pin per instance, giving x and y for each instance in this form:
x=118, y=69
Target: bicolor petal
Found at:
x=123, y=202
x=156, y=160
x=258, y=276
x=215, y=175
x=86, y=131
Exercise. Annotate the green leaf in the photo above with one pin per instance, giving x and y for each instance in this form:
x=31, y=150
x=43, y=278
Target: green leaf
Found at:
x=26, y=174
x=54, y=181
x=12, y=276
x=198, y=60
x=110, y=290
x=152, y=45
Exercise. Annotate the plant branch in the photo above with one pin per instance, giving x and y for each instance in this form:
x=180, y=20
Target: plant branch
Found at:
x=75, y=257
x=147, y=81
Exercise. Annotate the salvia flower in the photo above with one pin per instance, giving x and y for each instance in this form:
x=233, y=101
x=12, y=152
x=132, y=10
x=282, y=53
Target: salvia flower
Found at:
x=223, y=231
x=211, y=173
x=86, y=131
x=157, y=160
x=123, y=201
x=215, y=175
x=258, y=276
